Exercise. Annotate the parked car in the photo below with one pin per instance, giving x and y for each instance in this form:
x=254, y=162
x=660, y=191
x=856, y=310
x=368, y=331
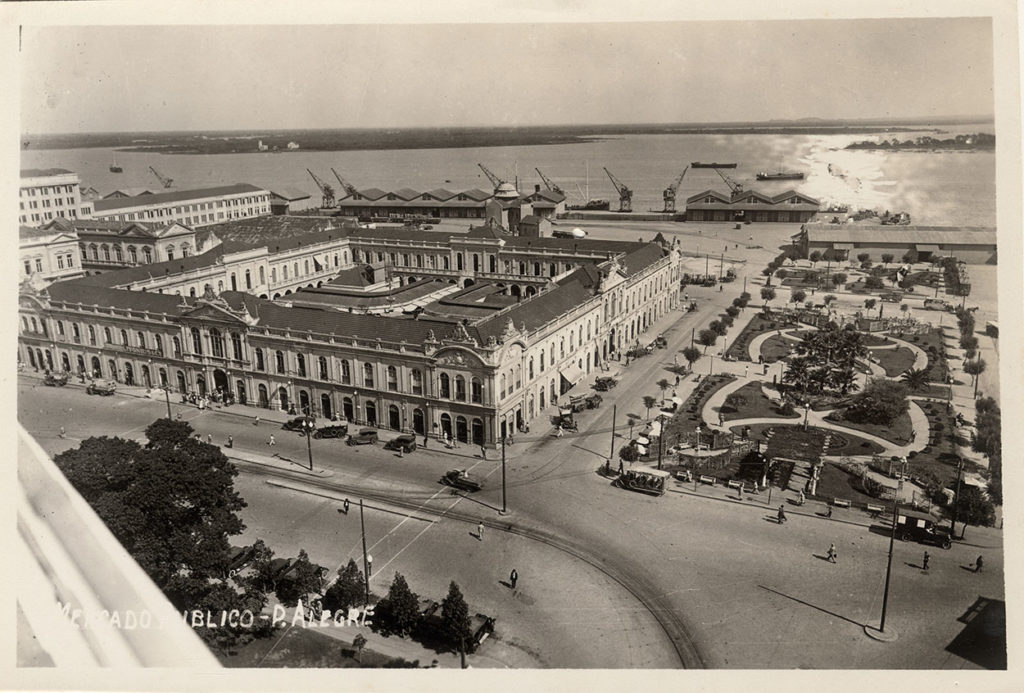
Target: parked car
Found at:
x=295, y=424
x=891, y=297
x=101, y=387
x=405, y=442
x=366, y=436
x=55, y=379
x=937, y=304
x=605, y=383
x=458, y=478
x=337, y=431
x=921, y=527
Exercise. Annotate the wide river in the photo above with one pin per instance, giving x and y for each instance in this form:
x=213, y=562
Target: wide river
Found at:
x=955, y=188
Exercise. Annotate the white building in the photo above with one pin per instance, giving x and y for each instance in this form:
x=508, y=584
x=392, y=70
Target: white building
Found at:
x=194, y=208
x=48, y=254
x=50, y=193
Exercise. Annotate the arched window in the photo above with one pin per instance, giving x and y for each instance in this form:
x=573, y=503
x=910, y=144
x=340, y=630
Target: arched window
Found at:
x=446, y=386
x=95, y=251
x=561, y=348
x=305, y=267
x=346, y=373
x=522, y=267
x=519, y=377
x=321, y=365
x=460, y=388
x=284, y=269
x=60, y=327
x=197, y=341
x=192, y=292
x=248, y=280
x=184, y=249
x=588, y=329
x=216, y=343
x=124, y=337
x=446, y=262
x=176, y=342
x=530, y=369
x=552, y=269
x=92, y=335
x=158, y=341
x=392, y=378
x=368, y=374
x=35, y=327
x=142, y=338
x=335, y=259
x=117, y=253
x=295, y=269
x=477, y=390
x=236, y=346
x=259, y=360
x=541, y=360
x=279, y=361
x=536, y=269
x=147, y=254
x=106, y=253
x=170, y=252
x=76, y=333
x=273, y=275
x=263, y=276
x=234, y=282
x=417, y=381
x=459, y=264
x=503, y=386
x=300, y=361
x=220, y=286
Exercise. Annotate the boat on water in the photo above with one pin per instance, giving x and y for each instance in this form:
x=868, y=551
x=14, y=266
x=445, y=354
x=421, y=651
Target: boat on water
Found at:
x=780, y=175
x=698, y=164
x=592, y=205
x=114, y=168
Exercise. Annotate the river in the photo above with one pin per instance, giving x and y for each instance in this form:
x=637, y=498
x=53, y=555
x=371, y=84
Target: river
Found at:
x=955, y=188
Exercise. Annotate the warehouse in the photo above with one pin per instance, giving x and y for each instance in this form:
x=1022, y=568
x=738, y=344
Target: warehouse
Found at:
x=751, y=205
x=973, y=245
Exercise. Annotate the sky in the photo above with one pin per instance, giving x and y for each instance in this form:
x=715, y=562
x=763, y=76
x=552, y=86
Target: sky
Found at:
x=132, y=78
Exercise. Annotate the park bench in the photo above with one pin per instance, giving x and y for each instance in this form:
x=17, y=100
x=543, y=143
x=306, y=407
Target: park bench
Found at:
x=875, y=510
x=734, y=484
x=707, y=480
x=840, y=503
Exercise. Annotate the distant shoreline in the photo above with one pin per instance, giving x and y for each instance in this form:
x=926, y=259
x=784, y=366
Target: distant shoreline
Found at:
x=342, y=140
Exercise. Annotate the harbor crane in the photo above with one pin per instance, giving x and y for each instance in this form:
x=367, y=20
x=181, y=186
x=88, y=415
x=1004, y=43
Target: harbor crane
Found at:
x=547, y=182
x=164, y=180
x=495, y=181
x=734, y=187
x=346, y=186
x=325, y=190
x=625, y=194
x=669, y=196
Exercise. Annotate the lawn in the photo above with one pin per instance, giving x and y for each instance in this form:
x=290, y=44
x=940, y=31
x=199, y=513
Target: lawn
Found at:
x=876, y=340
x=757, y=405
x=776, y=348
x=301, y=648
x=759, y=324
x=894, y=361
x=934, y=347
x=898, y=432
x=683, y=423
x=790, y=440
x=939, y=456
x=834, y=482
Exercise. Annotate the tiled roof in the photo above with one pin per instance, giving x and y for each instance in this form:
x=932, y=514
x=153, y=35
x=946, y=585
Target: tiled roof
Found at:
x=441, y=194
x=43, y=172
x=257, y=231
x=176, y=196
x=131, y=275
x=739, y=200
x=289, y=194
x=538, y=310
x=373, y=193
x=642, y=258
x=80, y=291
x=278, y=244
x=359, y=275
x=27, y=233
x=406, y=193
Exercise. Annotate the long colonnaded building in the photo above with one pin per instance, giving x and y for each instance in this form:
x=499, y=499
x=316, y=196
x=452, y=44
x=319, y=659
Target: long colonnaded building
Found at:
x=497, y=327
x=972, y=245
x=751, y=205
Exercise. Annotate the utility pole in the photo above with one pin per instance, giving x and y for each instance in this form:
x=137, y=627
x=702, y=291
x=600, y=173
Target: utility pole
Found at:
x=744, y=283
x=661, y=437
x=366, y=565
x=167, y=397
x=721, y=265
x=956, y=499
x=611, y=450
x=707, y=264
x=892, y=542
x=693, y=331
x=504, y=507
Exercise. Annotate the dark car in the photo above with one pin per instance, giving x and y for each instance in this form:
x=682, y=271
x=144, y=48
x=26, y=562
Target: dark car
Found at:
x=331, y=432
x=367, y=436
x=295, y=424
x=921, y=527
x=404, y=442
x=56, y=379
x=457, y=478
x=101, y=387
x=891, y=297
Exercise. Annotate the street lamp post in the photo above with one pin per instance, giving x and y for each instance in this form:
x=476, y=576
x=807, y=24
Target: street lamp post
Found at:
x=366, y=563
x=892, y=542
x=504, y=505
x=956, y=499
x=611, y=449
x=807, y=411
x=308, y=427
x=661, y=437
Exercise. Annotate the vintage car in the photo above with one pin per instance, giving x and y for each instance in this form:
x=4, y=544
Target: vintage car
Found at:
x=101, y=387
x=660, y=341
x=593, y=401
x=405, y=442
x=366, y=436
x=937, y=304
x=430, y=625
x=605, y=383
x=921, y=527
x=566, y=419
x=55, y=379
x=296, y=424
x=336, y=431
x=458, y=478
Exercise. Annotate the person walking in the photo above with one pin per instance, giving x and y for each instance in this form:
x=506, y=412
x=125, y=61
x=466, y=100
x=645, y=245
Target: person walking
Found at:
x=178, y=417
x=62, y=434
x=209, y=438
x=828, y=512
x=271, y=441
x=782, y=514
x=924, y=561
x=231, y=442
x=802, y=497
x=513, y=578
x=345, y=505
x=558, y=431
x=978, y=564
x=480, y=531
x=832, y=553
x=483, y=452
x=256, y=421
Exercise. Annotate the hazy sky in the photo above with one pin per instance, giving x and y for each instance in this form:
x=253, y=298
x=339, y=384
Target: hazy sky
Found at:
x=79, y=79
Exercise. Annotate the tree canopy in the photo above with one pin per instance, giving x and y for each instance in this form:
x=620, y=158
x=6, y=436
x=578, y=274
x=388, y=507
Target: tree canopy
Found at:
x=398, y=612
x=348, y=590
x=881, y=402
x=457, y=628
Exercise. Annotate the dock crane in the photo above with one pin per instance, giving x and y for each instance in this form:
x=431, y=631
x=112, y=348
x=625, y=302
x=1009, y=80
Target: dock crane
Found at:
x=625, y=194
x=325, y=190
x=164, y=180
x=495, y=181
x=547, y=182
x=346, y=186
x=734, y=187
x=669, y=196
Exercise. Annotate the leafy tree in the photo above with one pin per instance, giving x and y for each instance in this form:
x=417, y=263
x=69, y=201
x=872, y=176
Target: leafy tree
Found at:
x=974, y=508
x=399, y=611
x=359, y=642
x=846, y=380
x=745, y=296
x=727, y=320
x=797, y=373
x=718, y=327
x=798, y=296
x=887, y=258
x=907, y=258
x=863, y=257
x=707, y=338
x=168, y=432
x=649, y=403
x=738, y=303
x=302, y=578
x=692, y=355
x=916, y=379
x=732, y=311
x=348, y=590
x=969, y=342
x=767, y=294
x=768, y=271
x=735, y=401
x=814, y=257
x=455, y=623
x=838, y=279
x=261, y=564
x=663, y=385
x=975, y=368
x=629, y=453
x=881, y=402
x=874, y=282
x=869, y=303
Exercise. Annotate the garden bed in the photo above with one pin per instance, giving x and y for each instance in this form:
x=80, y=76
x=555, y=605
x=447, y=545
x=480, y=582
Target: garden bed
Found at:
x=939, y=456
x=834, y=482
x=790, y=440
x=894, y=361
x=757, y=405
x=897, y=433
x=759, y=324
x=688, y=417
x=934, y=346
x=876, y=340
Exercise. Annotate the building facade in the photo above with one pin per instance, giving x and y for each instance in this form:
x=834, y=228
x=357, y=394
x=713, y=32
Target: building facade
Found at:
x=752, y=206
x=193, y=208
x=838, y=242
x=48, y=254
x=47, y=194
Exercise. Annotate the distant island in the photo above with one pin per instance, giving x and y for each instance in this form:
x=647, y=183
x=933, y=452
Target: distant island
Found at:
x=977, y=141
x=276, y=141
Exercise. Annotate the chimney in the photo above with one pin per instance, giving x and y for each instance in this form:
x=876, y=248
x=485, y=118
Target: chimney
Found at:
x=536, y=187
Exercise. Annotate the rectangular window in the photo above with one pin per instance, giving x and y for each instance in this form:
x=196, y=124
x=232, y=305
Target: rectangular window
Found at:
x=39, y=265
x=60, y=262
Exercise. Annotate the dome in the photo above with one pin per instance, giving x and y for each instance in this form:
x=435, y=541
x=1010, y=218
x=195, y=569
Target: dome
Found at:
x=506, y=191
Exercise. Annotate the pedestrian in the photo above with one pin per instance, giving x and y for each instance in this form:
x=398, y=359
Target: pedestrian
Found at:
x=802, y=497
x=62, y=434
x=256, y=421
x=832, y=554
x=483, y=452
x=558, y=431
x=746, y=371
x=178, y=417
x=231, y=442
x=209, y=438
x=782, y=514
x=677, y=381
x=272, y=441
x=621, y=470
x=346, y=506
x=424, y=441
x=924, y=562
x=480, y=531
x=913, y=435
x=513, y=578
x=828, y=512
x=978, y=564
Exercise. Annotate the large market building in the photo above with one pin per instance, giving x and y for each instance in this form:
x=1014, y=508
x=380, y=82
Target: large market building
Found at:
x=972, y=245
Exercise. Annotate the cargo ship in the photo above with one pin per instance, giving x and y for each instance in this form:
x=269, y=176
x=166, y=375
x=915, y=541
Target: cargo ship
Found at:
x=781, y=175
x=698, y=164
x=593, y=205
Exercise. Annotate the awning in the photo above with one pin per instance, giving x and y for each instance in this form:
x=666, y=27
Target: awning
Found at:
x=572, y=374
x=842, y=246
x=926, y=248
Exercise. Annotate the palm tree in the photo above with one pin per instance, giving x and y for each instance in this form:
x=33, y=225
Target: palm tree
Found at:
x=663, y=385
x=649, y=402
x=846, y=380
x=916, y=379
x=359, y=642
x=797, y=373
